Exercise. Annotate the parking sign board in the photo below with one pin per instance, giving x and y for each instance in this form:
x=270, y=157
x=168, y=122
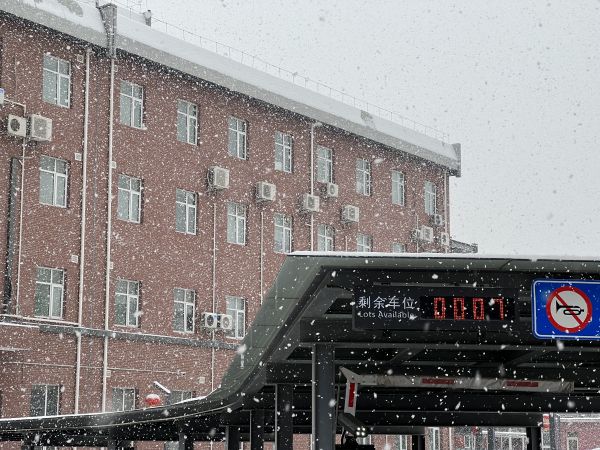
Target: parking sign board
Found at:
x=566, y=309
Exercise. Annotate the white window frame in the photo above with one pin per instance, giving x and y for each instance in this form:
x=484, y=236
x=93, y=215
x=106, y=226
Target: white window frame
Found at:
x=56, y=292
x=325, y=238
x=430, y=193
x=132, y=102
x=56, y=78
x=187, y=117
x=123, y=392
x=133, y=198
x=237, y=137
x=58, y=177
x=282, y=242
x=402, y=442
x=435, y=443
x=324, y=164
x=398, y=188
x=236, y=223
x=363, y=177
x=398, y=247
x=236, y=308
x=131, y=296
x=468, y=441
x=47, y=387
x=187, y=305
x=545, y=440
x=181, y=396
x=283, y=152
x=364, y=242
x=187, y=207
x=572, y=440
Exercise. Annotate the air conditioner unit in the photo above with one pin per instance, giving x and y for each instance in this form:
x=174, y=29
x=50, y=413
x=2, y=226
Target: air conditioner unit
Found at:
x=310, y=203
x=426, y=233
x=218, y=178
x=445, y=239
x=265, y=191
x=40, y=128
x=416, y=234
x=210, y=320
x=437, y=220
x=225, y=322
x=350, y=213
x=331, y=190
x=16, y=126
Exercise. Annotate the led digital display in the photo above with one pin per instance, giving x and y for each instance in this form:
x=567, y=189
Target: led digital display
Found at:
x=466, y=308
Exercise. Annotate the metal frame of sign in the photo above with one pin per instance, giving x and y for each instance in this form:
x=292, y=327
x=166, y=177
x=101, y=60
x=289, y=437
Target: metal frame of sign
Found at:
x=418, y=323
x=542, y=325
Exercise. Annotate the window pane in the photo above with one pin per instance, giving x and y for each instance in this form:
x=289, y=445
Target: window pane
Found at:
x=133, y=287
x=61, y=191
x=133, y=312
x=181, y=128
x=137, y=115
x=135, y=207
x=43, y=274
x=232, y=143
x=57, y=302
x=120, y=309
x=178, y=319
x=46, y=188
x=52, y=400
x=42, y=300
x=64, y=67
x=64, y=91
x=49, y=87
x=192, y=220
x=38, y=400
x=123, y=206
x=180, y=217
x=126, y=88
x=57, y=276
x=189, y=322
x=125, y=110
x=51, y=63
x=129, y=399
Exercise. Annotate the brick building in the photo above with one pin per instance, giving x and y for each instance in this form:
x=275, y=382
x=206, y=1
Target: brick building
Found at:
x=161, y=198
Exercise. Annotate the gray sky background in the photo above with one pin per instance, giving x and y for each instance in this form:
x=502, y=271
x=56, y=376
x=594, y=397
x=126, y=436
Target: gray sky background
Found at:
x=516, y=82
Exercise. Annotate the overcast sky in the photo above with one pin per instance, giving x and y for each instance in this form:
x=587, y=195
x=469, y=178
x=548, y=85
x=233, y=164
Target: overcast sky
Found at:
x=516, y=82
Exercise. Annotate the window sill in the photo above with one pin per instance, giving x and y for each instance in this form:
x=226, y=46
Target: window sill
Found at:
x=55, y=206
x=57, y=104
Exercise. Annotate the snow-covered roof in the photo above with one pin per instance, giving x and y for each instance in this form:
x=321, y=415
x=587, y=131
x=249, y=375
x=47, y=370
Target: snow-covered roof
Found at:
x=133, y=36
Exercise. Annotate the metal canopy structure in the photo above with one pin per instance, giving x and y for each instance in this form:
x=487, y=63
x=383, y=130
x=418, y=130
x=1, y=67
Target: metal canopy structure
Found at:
x=286, y=377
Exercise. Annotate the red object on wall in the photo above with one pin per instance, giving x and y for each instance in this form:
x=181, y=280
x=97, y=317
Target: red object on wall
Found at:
x=546, y=422
x=152, y=400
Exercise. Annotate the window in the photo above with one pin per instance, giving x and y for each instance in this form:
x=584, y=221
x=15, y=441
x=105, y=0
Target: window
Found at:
x=324, y=165
x=53, y=181
x=187, y=122
x=572, y=441
x=57, y=81
x=236, y=308
x=363, y=177
x=398, y=248
x=179, y=396
x=44, y=400
x=468, y=441
x=236, y=223
x=545, y=444
x=132, y=104
x=283, y=233
x=123, y=399
x=364, y=243
x=283, y=152
x=185, y=310
x=237, y=138
x=398, y=188
x=430, y=198
x=127, y=303
x=325, y=238
x=130, y=198
x=434, y=439
x=49, y=292
x=402, y=442
x=185, y=211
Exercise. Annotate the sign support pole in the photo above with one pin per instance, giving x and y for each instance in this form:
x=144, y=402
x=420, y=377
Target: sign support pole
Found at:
x=534, y=438
x=323, y=392
x=284, y=431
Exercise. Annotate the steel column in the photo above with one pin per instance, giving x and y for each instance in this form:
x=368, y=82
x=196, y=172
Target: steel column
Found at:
x=491, y=439
x=257, y=429
x=232, y=436
x=284, y=428
x=185, y=442
x=534, y=438
x=554, y=421
x=418, y=442
x=323, y=397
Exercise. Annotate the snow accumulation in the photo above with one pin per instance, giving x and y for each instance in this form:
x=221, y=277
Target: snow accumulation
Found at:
x=84, y=21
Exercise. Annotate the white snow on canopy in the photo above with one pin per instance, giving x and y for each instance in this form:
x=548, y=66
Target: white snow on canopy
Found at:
x=135, y=37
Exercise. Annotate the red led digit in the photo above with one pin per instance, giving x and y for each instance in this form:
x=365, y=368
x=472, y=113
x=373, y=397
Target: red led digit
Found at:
x=439, y=308
x=500, y=302
x=478, y=309
x=459, y=308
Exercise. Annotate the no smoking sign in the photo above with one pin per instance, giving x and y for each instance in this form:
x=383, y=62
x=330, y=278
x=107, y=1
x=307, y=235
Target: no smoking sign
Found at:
x=566, y=309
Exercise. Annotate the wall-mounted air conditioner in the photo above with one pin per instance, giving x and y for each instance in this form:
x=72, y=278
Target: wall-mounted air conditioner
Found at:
x=225, y=322
x=210, y=320
x=331, y=190
x=445, y=239
x=218, y=178
x=350, y=213
x=265, y=191
x=310, y=203
x=16, y=126
x=416, y=234
x=40, y=128
x=437, y=220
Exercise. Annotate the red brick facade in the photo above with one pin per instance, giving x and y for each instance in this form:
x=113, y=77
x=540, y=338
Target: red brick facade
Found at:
x=35, y=350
